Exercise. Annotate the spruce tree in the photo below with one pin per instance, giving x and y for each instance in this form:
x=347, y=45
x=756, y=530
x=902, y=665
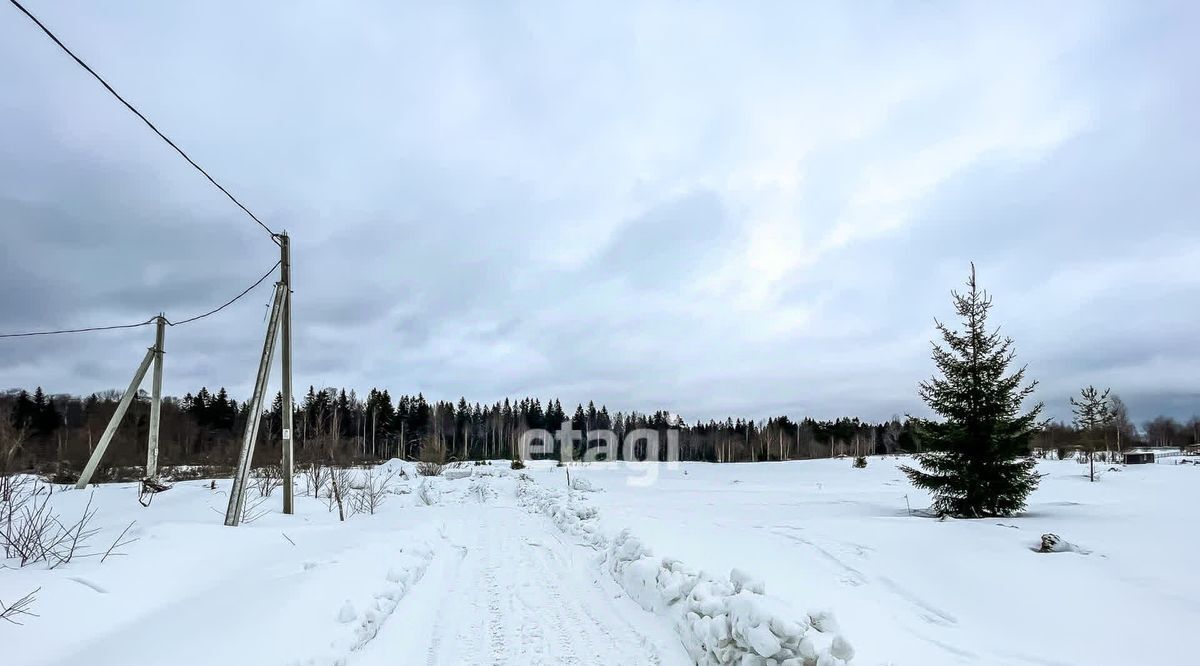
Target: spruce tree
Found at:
x=975, y=462
x=24, y=411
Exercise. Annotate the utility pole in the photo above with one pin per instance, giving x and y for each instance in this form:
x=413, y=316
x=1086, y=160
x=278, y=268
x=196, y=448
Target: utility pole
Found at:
x=285, y=360
x=237, y=494
x=113, y=422
x=160, y=326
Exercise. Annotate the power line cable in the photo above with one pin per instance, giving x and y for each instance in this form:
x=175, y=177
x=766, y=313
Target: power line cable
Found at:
x=78, y=330
x=229, y=302
x=144, y=119
x=151, y=320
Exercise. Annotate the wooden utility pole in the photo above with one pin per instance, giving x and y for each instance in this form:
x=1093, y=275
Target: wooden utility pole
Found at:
x=160, y=325
x=126, y=398
x=237, y=494
x=285, y=359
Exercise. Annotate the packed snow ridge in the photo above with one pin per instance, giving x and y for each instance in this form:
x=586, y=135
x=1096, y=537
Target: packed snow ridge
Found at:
x=720, y=621
x=363, y=623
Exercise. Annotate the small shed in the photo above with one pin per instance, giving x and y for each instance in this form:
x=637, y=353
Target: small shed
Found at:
x=1139, y=457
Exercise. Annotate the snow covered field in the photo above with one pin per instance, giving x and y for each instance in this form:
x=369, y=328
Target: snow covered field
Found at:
x=912, y=590
x=491, y=568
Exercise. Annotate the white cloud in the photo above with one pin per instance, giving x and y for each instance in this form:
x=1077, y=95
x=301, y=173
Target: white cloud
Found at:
x=702, y=205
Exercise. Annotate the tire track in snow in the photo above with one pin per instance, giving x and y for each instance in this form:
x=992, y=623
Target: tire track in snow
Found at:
x=598, y=638
x=439, y=621
x=927, y=611
x=517, y=598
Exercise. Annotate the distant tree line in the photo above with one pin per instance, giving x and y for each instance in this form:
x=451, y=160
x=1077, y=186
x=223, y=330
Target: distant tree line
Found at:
x=1116, y=432
x=206, y=427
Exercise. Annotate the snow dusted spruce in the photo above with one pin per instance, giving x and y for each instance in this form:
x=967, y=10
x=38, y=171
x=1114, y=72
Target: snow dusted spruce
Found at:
x=719, y=621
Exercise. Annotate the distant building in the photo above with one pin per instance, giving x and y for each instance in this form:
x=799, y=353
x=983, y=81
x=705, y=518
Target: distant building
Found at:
x=1139, y=457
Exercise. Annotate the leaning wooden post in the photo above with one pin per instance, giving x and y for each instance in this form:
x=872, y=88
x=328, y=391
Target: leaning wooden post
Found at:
x=233, y=513
x=155, y=399
x=111, y=430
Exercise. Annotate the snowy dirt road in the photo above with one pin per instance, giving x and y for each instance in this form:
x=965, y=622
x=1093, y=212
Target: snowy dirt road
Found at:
x=512, y=590
x=460, y=575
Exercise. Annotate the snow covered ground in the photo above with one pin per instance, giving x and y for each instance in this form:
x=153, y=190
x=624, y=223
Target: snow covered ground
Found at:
x=492, y=568
x=914, y=590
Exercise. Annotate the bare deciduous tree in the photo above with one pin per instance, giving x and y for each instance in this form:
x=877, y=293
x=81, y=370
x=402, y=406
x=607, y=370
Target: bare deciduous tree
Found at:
x=339, y=482
x=1093, y=414
x=12, y=440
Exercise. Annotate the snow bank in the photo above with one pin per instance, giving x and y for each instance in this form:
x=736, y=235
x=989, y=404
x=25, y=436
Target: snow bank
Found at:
x=571, y=517
x=720, y=621
x=583, y=485
x=1052, y=543
x=480, y=490
x=363, y=621
x=428, y=492
x=488, y=471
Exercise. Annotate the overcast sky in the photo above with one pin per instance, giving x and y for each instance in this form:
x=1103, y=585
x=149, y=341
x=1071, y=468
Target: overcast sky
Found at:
x=713, y=208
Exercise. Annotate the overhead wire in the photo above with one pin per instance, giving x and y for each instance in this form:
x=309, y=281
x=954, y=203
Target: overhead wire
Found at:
x=144, y=119
x=274, y=236
x=78, y=330
x=151, y=320
x=227, y=303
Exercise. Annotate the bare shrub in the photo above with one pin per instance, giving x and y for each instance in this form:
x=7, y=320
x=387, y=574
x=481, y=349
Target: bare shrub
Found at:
x=61, y=474
x=117, y=474
x=430, y=468
x=316, y=475
x=267, y=478
x=517, y=464
x=369, y=495
x=120, y=542
x=252, y=510
x=432, y=461
x=18, y=608
x=183, y=473
x=195, y=472
x=32, y=532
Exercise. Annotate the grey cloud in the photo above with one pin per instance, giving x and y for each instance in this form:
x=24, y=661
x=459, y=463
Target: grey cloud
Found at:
x=491, y=201
x=667, y=244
